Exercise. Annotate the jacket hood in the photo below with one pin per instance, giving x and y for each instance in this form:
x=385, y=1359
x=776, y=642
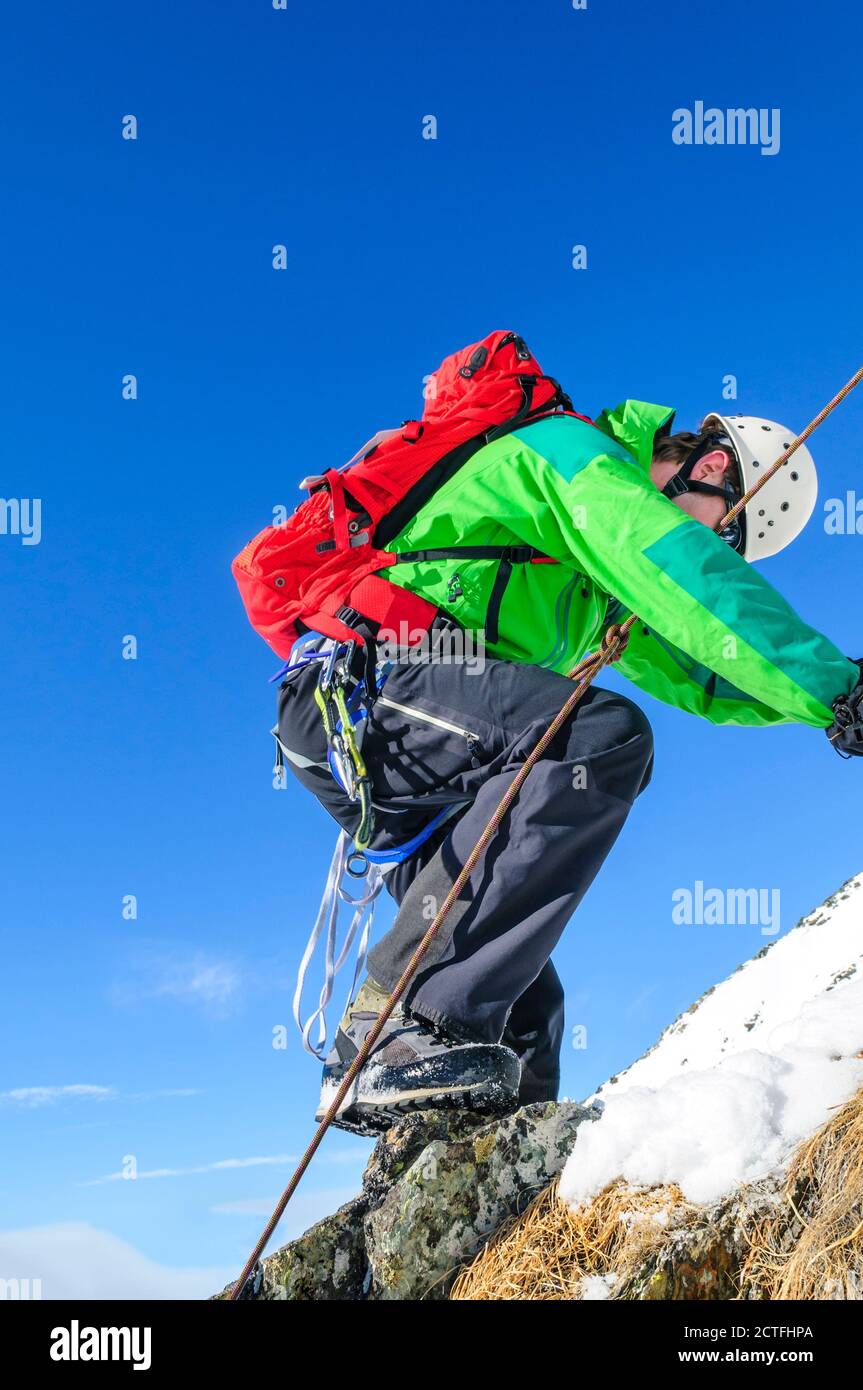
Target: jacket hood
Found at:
x=635, y=425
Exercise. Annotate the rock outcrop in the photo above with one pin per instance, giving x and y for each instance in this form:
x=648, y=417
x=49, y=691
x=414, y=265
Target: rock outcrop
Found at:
x=726, y=1163
x=436, y=1187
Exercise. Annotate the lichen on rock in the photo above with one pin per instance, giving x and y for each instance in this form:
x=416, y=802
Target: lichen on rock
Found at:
x=435, y=1188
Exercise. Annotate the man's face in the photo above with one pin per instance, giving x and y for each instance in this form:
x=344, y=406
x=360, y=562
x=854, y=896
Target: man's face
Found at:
x=700, y=505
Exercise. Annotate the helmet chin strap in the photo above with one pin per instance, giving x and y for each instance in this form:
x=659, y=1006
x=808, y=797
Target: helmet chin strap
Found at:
x=682, y=481
x=677, y=486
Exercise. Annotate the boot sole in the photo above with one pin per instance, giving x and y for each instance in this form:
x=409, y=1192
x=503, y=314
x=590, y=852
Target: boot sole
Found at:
x=373, y=1118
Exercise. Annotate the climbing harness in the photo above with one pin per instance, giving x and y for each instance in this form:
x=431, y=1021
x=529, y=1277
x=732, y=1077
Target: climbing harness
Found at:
x=584, y=674
x=344, y=702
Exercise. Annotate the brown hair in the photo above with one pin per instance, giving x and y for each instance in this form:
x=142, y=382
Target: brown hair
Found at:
x=674, y=448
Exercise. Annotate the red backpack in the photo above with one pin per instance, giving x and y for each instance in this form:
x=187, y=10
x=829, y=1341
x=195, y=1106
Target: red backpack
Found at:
x=319, y=568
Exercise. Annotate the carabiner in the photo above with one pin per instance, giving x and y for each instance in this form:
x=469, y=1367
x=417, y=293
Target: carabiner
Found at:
x=356, y=856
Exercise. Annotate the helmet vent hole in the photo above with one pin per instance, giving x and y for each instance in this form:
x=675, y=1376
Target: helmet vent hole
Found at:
x=765, y=427
x=755, y=463
x=761, y=513
x=761, y=535
x=784, y=507
x=794, y=477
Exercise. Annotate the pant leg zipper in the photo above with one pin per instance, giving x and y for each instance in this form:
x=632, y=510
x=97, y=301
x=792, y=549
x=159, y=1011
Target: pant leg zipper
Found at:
x=472, y=739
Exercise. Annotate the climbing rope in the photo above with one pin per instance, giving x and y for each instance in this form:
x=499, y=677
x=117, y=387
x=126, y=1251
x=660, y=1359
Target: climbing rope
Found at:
x=584, y=673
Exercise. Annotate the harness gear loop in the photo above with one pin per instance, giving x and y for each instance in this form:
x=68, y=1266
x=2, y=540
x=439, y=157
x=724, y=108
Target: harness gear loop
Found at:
x=584, y=674
x=344, y=753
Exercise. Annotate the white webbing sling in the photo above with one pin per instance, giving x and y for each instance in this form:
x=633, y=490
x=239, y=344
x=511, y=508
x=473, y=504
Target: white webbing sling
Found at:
x=326, y=924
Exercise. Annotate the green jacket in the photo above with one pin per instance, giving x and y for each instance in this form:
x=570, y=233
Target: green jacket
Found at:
x=715, y=638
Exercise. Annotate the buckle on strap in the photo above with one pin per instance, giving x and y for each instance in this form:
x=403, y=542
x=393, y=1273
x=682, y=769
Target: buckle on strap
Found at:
x=676, y=486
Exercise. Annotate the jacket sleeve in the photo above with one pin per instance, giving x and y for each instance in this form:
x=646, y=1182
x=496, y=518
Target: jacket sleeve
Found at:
x=705, y=607
x=662, y=670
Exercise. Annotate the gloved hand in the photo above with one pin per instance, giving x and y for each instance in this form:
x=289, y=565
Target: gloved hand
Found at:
x=846, y=731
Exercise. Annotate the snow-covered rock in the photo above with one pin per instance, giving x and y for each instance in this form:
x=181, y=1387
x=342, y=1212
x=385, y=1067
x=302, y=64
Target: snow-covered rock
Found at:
x=754, y=1067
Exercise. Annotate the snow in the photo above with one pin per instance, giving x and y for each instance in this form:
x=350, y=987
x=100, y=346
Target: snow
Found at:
x=594, y=1287
x=733, y=1086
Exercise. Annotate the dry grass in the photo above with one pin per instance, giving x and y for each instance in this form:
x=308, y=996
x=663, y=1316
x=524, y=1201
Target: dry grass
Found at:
x=545, y=1253
x=813, y=1247
x=810, y=1247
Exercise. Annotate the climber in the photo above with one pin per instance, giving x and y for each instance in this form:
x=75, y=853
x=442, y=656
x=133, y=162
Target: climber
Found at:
x=483, y=1020
x=543, y=540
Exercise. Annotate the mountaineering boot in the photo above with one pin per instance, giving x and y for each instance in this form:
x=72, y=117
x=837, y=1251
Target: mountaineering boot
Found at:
x=411, y=1067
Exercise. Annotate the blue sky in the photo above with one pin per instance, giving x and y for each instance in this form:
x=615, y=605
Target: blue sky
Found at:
x=151, y=777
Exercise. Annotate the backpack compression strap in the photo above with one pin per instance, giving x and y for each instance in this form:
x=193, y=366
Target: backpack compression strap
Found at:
x=514, y=554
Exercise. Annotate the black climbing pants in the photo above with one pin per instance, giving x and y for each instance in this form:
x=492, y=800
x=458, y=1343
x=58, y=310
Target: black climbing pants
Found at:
x=446, y=734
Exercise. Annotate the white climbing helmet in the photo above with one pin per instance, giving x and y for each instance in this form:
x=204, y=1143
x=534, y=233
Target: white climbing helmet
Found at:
x=778, y=513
